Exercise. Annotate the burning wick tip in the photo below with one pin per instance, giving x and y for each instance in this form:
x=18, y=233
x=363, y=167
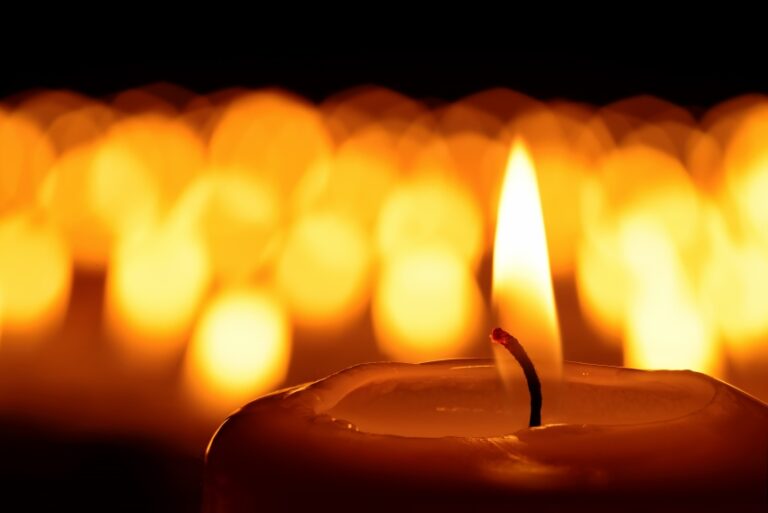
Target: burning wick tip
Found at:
x=499, y=336
x=515, y=348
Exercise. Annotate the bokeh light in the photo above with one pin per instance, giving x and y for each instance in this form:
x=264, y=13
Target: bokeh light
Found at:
x=323, y=271
x=238, y=217
x=26, y=156
x=274, y=135
x=35, y=275
x=665, y=325
x=240, y=349
x=157, y=280
x=426, y=306
x=203, y=230
x=431, y=211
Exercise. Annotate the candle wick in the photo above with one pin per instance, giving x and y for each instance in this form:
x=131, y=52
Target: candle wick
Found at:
x=511, y=344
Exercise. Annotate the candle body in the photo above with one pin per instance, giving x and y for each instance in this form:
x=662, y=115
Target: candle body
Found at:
x=381, y=436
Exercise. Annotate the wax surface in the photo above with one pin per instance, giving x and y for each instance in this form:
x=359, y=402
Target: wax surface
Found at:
x=469, y=401
x=439, y=432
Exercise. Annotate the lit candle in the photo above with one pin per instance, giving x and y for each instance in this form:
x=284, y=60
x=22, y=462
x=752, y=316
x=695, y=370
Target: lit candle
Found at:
x=450, y=435
x=439, y=433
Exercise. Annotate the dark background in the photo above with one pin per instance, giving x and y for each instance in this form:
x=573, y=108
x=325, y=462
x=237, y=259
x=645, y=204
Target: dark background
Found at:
x=691, y=75
x=39, y=467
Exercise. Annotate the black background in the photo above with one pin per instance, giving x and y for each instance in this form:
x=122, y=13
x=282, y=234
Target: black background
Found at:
x=689, y=75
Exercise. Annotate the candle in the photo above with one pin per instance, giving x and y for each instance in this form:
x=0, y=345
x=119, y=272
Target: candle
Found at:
x=438, y=434
x=451, y=435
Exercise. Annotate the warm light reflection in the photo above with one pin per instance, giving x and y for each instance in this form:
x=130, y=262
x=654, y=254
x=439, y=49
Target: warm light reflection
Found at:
x=35, y=275
x=426, y=306
x=157, y=279
x=522, y=286
x=240, y=349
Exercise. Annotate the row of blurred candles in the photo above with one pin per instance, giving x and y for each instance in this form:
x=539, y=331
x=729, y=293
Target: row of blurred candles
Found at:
x=222, y=224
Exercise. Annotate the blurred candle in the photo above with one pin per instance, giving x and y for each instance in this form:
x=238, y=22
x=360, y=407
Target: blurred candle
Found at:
x=426, y=305
x=240, y=348
x=156, y=281
x=323, y=271
x=35, y=275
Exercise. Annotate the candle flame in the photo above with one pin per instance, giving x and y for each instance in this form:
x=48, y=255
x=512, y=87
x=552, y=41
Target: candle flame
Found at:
x=522, y=285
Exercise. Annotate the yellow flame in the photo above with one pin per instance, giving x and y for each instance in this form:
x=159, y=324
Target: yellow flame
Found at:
x=522, y=285
x=240, y=349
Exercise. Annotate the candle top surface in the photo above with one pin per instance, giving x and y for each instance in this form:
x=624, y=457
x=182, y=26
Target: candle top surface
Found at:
x=466, y=398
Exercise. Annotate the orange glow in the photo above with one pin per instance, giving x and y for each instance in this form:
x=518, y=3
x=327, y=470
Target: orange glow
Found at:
x=238, y=217
x=426, y=306
x=65, y=194
x=240, y=349
x=480, y=162
x=361, y=107
x=522, y=285
x=201, y=230
x=323, y=271
x=734, y=281
x=26, y=156
x=665, y=325
x=633, y=182
x=703, y=158
x=124, y=194
x=746, y=159
x=80, y=126
x=274, y=135
x=603, y=281
x=156, y=282
x=431, y=211
x=35, y=275
x=561, y=178
x=355, y=181
x=139, y=170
